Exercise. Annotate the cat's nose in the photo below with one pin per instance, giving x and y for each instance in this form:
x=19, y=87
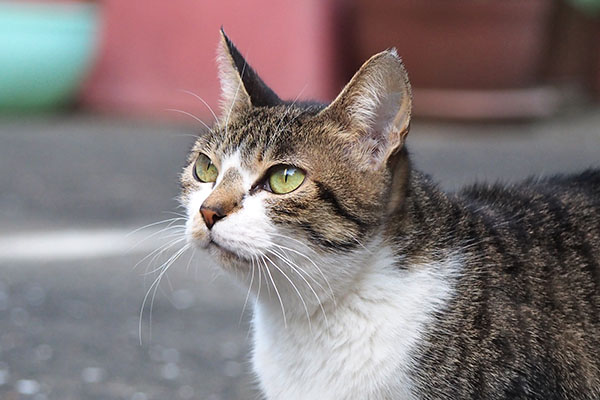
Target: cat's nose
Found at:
x=211, y=215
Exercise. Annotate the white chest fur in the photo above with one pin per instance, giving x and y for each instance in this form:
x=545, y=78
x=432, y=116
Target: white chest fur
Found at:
x=364, y=351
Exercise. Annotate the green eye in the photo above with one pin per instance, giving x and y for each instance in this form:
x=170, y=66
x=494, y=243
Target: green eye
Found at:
x=285, y=178
x=205, y=170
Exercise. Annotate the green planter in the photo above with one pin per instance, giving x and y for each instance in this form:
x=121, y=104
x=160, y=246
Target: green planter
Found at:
x=45, y=51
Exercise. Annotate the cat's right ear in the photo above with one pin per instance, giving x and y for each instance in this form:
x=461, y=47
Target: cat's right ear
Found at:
x=241, y=87
x=374, y=109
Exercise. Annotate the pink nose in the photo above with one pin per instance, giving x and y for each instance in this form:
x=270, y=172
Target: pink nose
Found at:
x=210, y=216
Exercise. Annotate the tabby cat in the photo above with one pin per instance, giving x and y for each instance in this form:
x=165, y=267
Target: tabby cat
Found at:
x=368, y=281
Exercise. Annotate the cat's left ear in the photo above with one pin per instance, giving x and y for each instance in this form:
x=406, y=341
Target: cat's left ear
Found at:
x=374, y=108
x=241, y=87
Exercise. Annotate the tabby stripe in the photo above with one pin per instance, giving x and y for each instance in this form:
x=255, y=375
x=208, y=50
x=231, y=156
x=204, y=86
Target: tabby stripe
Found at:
x=327, y=195
x=538, y=207
x=320, y=239
x=582, y=248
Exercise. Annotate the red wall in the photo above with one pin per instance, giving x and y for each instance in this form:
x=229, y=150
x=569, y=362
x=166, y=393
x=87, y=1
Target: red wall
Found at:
x=151, y=49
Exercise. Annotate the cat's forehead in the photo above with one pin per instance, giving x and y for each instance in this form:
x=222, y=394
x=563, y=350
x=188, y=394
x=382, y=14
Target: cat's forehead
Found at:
x=262, y=133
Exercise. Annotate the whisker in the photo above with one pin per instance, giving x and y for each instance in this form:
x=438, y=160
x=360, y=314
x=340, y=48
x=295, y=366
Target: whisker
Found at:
x=235, y=97
x=176, y=213
x=284, y=257
x=186, y=135
x=159, y=251
x=294, y=240
x=295, y=288
x=259, y=280
x=169, y=227
x=276, y=291
x=314, y=264
x=187, y=267
x=295, y=269
x=258, y=267
x=190, y=115
x=287, y=110
x=247, y=294
x=359, y=242
x=154, y=285
x=152, y=224
x=204, y=102
x=290, y=122
x=163, y=273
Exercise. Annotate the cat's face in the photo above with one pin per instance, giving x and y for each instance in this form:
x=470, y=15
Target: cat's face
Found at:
x=329, y=204
x=287, y=187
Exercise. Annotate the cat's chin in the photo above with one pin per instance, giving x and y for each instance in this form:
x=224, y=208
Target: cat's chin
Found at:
x=220, y=253
x=226, y=257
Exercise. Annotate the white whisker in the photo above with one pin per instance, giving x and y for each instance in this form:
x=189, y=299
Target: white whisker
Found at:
x=160, y=250
x=187, y=267
x=247, y=294
x=169, y=227
x=314, y=264
x=152, y=224
x=154, y=285
x=259, y=280
x=204, y=102
x=176, y=213
x=276, y=291
x=190, y=115
x=285, y=258
x=287, y=110
x=295, y=288
x=235, y=96
x=295, y=269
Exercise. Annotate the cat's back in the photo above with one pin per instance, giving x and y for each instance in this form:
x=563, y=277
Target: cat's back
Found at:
x=539, y=239
x=525, y=322
x=539, y=207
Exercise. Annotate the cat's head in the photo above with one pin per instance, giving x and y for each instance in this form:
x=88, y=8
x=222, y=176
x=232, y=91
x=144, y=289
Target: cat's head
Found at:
x=286, y=185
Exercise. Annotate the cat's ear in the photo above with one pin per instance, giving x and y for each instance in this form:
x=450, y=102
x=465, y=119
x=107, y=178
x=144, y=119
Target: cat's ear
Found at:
x=241, y=87
x=375, y=107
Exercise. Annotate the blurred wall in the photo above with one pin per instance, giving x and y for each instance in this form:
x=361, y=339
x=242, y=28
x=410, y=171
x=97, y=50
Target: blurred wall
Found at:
x=471, y=59
x=153, y=49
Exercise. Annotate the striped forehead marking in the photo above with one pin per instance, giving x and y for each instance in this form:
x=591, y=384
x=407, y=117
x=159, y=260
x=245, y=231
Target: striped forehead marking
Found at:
x=234, y=162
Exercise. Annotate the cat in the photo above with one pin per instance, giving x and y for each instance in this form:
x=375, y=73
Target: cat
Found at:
x=368, y=281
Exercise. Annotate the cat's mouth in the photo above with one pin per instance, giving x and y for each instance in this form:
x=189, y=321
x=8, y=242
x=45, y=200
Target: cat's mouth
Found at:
x=225, y=253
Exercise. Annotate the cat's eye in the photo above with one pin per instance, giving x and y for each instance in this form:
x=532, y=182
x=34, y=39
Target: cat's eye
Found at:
x=284, y=179
x=205, y=170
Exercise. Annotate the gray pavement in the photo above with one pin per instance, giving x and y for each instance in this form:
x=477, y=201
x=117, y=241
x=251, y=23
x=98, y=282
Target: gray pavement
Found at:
x=69, y=321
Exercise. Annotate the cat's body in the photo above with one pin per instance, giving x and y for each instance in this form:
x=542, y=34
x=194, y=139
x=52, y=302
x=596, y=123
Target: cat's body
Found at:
x=507, y=307
x=371, y=283
x=525, y=320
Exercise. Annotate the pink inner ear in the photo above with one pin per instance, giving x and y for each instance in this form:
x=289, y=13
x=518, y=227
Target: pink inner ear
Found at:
x=377, y=103
x=383, y=117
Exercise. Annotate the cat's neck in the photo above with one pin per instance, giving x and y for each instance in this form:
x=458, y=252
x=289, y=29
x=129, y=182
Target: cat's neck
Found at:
x=380, y=318
x=417, y=236
x=423, y=227
x=381, y=312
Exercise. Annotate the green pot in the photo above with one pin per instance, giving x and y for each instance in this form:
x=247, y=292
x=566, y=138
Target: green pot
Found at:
x=45, y=51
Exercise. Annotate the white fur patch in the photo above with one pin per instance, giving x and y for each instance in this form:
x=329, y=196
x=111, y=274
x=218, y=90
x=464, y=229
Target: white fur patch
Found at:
x=245, y=232
x=235, y=161
x=364, y=349
x=241, y=232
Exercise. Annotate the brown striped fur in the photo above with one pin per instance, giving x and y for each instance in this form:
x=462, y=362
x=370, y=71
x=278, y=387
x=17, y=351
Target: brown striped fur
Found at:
x=525, y=320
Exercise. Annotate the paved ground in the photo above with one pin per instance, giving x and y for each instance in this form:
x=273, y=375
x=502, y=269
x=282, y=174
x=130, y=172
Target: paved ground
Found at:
x=69, y=317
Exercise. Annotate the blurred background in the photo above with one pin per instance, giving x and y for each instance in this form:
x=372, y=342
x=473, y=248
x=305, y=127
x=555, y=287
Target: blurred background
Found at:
x=100, y=101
